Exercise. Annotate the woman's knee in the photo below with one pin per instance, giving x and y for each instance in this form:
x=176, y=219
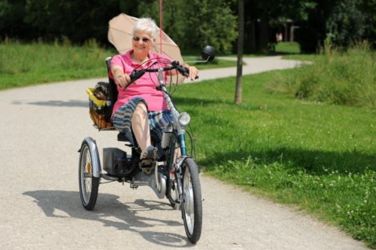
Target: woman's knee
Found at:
x=140, y=111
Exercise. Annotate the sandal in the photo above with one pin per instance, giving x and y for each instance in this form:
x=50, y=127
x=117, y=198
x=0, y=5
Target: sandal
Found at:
x=148, y=156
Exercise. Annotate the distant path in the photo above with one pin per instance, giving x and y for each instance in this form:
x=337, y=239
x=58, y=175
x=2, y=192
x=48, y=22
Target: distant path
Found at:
x=253, y=65
x=41, y=129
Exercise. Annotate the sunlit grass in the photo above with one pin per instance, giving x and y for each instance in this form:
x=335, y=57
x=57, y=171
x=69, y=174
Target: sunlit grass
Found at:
x=28, y=64
x=346, y=78
x=217, y=63
x=317, y=156
x=287, y=48
x=35, y=63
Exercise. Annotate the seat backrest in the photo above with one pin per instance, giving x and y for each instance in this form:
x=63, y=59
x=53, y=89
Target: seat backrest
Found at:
x=113, y=92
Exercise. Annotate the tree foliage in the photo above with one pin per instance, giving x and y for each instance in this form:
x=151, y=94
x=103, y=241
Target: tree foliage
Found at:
x=264, y=18
x=11, y=18
x=192, y=24
x=368, y=8
x=196, y=23
x=341, y=21
x=346, y=24
x=210, y=22
x=76, y=20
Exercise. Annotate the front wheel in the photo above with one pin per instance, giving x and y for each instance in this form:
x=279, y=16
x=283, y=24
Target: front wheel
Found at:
x=192, y=201
x=88, y=183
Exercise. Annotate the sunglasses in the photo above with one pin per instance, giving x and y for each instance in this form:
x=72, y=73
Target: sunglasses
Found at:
x=144, y=39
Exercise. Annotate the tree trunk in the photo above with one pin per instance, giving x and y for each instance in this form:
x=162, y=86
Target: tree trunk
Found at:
x=239, y=67
x=263, y=36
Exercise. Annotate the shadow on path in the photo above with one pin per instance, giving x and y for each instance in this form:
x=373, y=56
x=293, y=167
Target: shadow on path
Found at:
x=112, y=213
x=57, y=103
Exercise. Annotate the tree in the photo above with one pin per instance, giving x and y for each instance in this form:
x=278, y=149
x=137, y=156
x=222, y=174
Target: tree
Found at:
x=196, y=23
x=172, y=11
x=210, y=22
x=76, y=20
x=264, y=18
x=11, y=19
x=368, y=8
x=342, y=21
x=239, y=66
x=345, y=24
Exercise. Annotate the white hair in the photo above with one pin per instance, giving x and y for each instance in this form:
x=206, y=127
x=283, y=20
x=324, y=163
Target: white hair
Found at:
x=147, y=25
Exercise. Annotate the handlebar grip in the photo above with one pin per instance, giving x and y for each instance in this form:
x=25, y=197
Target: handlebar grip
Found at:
x=185, y=72
x=136, y=74
x=182, y=70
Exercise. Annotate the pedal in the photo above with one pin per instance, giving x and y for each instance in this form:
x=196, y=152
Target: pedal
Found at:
x=162, y=169
x=177, y=206
x=147, y=166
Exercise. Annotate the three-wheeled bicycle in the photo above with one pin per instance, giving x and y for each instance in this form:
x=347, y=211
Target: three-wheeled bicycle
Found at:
x=175, y=175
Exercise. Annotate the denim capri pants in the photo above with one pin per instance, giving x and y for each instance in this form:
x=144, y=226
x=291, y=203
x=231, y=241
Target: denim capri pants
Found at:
x=158, y=120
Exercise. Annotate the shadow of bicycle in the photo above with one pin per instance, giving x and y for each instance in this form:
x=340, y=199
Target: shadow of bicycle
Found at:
x=123, y=216
x=57, y=103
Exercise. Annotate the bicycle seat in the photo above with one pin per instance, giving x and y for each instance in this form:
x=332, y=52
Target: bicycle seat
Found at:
x=122, y=137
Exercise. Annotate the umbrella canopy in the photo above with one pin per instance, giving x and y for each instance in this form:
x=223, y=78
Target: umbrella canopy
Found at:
x=120, y=34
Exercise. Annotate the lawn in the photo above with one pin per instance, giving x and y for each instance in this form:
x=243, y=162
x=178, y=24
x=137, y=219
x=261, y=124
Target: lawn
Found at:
x=35, y=63
x=217, y=63
x=317, y=156
x=287, y=48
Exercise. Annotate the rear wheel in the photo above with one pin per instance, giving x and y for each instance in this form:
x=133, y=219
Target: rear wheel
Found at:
x=192, y=201
x=88, y=183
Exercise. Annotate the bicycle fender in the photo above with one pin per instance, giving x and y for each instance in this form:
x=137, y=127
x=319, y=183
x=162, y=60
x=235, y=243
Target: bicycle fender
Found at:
x=96, y=163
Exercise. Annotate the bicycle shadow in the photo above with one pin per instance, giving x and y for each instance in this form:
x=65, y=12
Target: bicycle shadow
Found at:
x=67, y=204
x=57, y=103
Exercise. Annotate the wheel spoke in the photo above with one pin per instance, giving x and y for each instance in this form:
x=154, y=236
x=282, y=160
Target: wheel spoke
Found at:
x=88, y=183
x=192, y=203
x=86, y=175
x=188, y=200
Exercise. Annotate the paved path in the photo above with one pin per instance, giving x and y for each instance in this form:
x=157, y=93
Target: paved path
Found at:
x=253, y=65
x=41, y=129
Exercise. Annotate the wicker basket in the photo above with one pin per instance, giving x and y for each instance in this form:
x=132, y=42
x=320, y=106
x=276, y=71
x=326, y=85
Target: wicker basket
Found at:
x=99, y=111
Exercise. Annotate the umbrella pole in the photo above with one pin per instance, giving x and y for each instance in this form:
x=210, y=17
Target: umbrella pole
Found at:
x=160, y=24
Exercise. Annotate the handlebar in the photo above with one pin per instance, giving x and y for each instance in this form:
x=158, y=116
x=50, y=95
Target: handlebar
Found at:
x=136, y=74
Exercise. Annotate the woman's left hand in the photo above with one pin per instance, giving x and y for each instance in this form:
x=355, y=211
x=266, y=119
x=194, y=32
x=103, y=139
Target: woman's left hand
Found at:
x=193, y=72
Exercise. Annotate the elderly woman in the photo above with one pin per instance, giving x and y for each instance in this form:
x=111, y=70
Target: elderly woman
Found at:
x=140, y=107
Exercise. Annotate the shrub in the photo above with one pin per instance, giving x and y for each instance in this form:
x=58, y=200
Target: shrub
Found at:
x=337, y=77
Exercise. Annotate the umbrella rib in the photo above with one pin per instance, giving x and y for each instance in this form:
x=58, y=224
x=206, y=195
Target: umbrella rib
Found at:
x=122, y=31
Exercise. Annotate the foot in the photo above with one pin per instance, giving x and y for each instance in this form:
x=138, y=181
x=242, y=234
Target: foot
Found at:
x=148, y=156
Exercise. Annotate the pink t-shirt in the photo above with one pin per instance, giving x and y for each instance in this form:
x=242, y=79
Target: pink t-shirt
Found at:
x=145, y=86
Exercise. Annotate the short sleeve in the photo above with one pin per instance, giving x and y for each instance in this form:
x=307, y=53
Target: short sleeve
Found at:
x=119, y=61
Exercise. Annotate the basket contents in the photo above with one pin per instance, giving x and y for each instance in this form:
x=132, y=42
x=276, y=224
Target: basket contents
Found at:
x=100, y=107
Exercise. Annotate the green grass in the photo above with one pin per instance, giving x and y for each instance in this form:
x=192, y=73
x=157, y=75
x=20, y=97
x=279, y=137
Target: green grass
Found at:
x=319, y=157
x=287, y=48
x=346, y=78
x=217, y=63
x=29, y=64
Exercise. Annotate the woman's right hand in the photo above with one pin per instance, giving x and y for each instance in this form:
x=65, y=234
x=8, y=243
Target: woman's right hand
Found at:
x=122, y=79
